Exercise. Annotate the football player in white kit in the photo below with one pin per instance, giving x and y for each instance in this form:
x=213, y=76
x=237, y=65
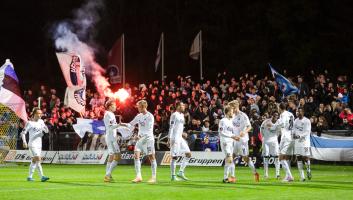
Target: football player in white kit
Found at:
x=227, y=138
x=178, y=145
x=241, y=128
x=111, y=139
x=302, y=130
x=270, y=132
x=145, y=141
x=35, y=127
x=286, y=146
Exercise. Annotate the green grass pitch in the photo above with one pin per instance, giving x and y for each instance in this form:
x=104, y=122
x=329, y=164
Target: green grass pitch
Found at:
x=70, y=182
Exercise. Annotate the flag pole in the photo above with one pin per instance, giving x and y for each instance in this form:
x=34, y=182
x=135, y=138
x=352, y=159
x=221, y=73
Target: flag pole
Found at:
x=162, y=56
x=201, y=55
x=123, y=56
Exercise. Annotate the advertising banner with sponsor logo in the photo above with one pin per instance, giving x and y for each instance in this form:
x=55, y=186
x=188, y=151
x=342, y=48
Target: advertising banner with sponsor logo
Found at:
x=81, y=157
x=127, y=158
x=25, y=156
x=206, y=159
x=93, y=157
x=66, y=157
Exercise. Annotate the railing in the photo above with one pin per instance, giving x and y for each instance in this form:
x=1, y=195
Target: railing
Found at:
x=61, y=141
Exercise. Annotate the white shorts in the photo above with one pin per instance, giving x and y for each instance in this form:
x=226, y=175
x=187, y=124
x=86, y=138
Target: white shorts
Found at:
x=112, y=147
x=146, y=146
x=300, y=150
x=270, y=149
x=35, y=151
x=178, y=147
x=286, y=147
x=240, y=148
x=227, y=148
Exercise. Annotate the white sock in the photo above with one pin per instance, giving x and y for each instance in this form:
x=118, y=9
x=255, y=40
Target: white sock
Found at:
x=300, y=168
x=252, y=166
x=154, y=168
x=111, y=167
x=289, y=168
x=184, y=164
x=278, y=166
x=308, y=165
x=172, y=167
x=289, y=164
x=266, y=166
x=232, y=169
x=226, y=170
x=138, y=167
x=32, y=168
x=40, y=169
x=286, y=168
x=107, y=167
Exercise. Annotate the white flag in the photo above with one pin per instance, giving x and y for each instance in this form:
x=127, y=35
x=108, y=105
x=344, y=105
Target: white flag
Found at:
x=74, y=74
x=195, y=47
x=159, y=54
x=75, y=98
x=72, y=68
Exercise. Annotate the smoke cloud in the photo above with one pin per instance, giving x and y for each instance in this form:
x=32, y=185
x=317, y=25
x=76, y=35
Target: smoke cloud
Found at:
x=75, y=35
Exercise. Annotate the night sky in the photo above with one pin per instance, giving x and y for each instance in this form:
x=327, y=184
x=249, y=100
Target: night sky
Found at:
x=239, y=37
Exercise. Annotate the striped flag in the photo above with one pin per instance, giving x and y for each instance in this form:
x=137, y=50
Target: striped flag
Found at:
x=10, y=93
x=332, y=148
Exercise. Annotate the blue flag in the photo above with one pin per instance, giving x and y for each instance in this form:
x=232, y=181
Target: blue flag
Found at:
x=89, y=125
x=97, y=127
x=284, y=84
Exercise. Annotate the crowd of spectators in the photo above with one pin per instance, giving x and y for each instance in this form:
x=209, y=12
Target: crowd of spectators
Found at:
x=327, y=102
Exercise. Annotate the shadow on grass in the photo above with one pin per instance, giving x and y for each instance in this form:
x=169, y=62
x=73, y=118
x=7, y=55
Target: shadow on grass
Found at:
x=188, y=184
x=323, y=185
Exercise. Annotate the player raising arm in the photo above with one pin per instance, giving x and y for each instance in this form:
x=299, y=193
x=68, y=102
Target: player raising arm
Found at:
x=145, y=141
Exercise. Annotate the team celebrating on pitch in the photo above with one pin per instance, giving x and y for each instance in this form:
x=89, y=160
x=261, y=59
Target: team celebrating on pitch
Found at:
x=233, y=131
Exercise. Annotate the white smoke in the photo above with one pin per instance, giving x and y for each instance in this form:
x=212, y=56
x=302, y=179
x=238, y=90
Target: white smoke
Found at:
x=68, y=36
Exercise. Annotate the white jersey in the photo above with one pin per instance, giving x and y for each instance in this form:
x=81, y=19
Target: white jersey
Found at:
x=176, y=126
x=270, y=131
x=110, y=125
x=225, y=130
x=286, y=121
x=35, y=130
x=145, y=125
x=302, y=128
x=240, y=123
